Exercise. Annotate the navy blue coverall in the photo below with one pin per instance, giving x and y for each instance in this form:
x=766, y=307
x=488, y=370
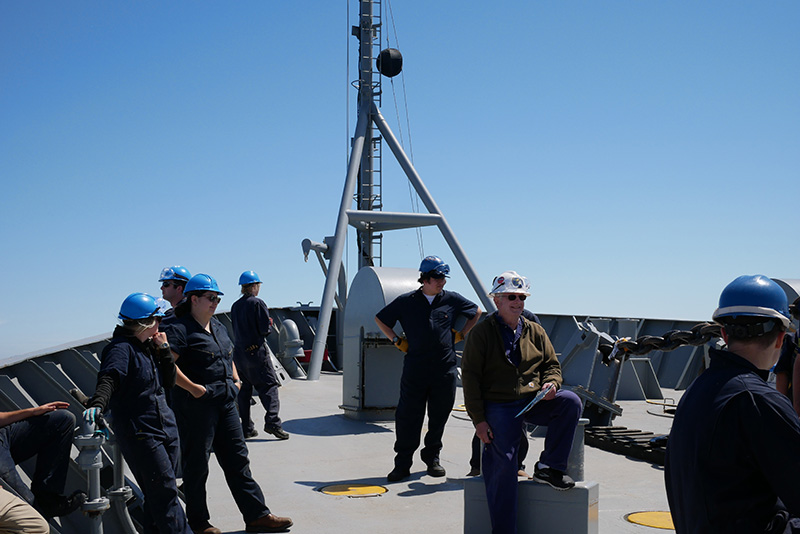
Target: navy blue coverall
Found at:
x=145, y=428
x=732, y=455
x=251, y=326
x=429, y=369
x=49, y=437
x=211, y=421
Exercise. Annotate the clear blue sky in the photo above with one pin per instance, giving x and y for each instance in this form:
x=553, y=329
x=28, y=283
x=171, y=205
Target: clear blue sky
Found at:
x=630, y=157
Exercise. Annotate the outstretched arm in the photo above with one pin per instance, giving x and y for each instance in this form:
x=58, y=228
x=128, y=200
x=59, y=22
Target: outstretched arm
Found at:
x=7, y=418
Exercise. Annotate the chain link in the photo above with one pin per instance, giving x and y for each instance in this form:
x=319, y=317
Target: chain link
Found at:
x=700, y=334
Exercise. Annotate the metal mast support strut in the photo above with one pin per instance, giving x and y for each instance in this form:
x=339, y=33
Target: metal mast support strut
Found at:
x=365, y=219
x=337, y=251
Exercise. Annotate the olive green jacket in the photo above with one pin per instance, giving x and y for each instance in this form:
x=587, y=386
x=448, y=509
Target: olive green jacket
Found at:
x=487, y=375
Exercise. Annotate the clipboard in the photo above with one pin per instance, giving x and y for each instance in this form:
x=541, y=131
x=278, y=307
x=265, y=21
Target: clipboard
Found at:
x=539, y=396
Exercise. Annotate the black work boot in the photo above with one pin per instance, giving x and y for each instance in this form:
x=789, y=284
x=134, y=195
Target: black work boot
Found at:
x=55, y=505
x=435, y=469
x=276, y=431
x=398, y=474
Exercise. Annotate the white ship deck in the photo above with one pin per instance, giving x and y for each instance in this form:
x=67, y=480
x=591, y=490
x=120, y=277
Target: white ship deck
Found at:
x=326, y=448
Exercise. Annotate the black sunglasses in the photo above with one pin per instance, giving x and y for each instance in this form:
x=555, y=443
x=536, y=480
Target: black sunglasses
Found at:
x=512, y=297
x=213, y=298
x=169, y=284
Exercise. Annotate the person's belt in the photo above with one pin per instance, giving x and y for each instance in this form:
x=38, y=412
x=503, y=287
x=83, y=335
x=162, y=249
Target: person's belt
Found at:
x=255, y=346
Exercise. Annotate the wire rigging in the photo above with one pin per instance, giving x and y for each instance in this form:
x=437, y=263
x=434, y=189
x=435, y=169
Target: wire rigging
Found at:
x=414, y=198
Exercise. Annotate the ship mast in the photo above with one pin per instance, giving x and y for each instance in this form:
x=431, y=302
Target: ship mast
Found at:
x=363, y=168
x=368, y=197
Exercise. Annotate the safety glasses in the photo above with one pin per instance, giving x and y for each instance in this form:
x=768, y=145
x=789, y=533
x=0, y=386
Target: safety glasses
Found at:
x=212, y=298
x=512, y=297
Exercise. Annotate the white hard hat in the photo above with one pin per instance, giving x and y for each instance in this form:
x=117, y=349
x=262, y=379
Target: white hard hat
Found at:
x=510, y=282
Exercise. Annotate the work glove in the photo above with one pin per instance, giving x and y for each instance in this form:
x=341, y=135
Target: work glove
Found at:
x=91, y=415
x=95, y=417
x=458, y=336
x=401, y=343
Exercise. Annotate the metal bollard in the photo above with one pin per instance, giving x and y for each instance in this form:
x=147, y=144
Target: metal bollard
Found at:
x=121, y=493
x=575, y=461
x=90, y=459
x=291, y=348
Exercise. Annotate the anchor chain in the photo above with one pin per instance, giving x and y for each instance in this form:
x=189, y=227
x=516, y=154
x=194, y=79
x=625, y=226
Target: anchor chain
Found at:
x=700, y=334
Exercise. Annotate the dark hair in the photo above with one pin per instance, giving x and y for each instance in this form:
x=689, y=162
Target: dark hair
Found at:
x=749, y=329
x=424, y=277
x=184, y=307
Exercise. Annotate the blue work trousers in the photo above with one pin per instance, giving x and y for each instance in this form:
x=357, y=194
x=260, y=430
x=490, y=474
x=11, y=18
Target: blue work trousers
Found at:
x=500, y=461
x=153, y=463
x=256, y=371
x=203, y=425
x=421, y=387
x=475, y=457
x=49, y=437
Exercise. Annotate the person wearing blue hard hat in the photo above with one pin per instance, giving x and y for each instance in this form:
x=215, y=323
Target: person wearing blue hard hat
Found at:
x=731, y=462
x=205, y=408
x=251, y=326
x=173, y=281
x=428, y=317
x=136, y=367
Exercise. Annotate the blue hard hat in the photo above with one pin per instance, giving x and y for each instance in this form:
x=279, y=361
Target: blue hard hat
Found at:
x=176, y=272
x=249, y=277
x=202, y=282
x=139, y=306
x=754, y=296
x=435, y=264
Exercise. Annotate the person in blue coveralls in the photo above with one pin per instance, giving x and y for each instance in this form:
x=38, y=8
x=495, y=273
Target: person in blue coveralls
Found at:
x=173, y=281
x=205, y=408
x=428, y=316
x=136, y=367
x=732, y=453
x=507, y=360
x=251, y=326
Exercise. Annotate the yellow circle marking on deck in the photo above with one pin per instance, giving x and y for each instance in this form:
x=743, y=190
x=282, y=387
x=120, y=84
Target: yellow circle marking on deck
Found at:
x=460, y=408
x=353, y=490
x=652, y=519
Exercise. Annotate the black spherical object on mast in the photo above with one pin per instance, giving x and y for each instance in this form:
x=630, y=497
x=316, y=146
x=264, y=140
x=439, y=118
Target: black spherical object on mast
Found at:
x=390, y=62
